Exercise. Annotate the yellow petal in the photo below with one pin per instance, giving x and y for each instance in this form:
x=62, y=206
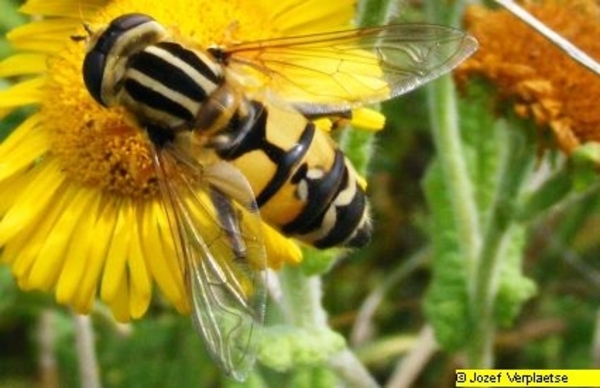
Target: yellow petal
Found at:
x=19, y=135
x=8, y=188
x=29, y=151
x=23, y=93
x=141, y=286
x=43, y=36
x=53, y=253
x=160, y=255
x=21, y=64
x=104, y=228
x=120, y=305
x=365, y=118
x=27, y=265
x=32, y=201
x=72, y=8
x=77, y=262
x=301, y=17
x=114, y=275
x=13, y=251
x=280, y=249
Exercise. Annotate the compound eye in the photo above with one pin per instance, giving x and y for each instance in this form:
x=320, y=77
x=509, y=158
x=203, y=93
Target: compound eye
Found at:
x=93, y=74
x=117, y=29
x=128, y=21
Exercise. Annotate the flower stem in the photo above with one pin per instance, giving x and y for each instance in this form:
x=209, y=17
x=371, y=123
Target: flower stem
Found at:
x=86, y=352
x=596, y=343
x=49, y=377
x=351, y=371
x=413, y=364
x=482, y=249
x=446, y=137
x=517, y=160
x=302, y=295
x=364, y=318
x=443, y=107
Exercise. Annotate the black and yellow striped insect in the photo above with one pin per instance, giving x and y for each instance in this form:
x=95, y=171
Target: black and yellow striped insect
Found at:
x=235, y=154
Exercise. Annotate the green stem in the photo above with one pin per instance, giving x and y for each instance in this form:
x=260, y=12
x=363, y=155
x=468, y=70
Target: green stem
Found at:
x=302, y=299
x=482, y=250
x=364, y=317
x=375, y=12
x=446, y=136
x=445, y=12
x=447, y=140
x=351, y=371
x=517, y=161
x=86, y=351
x=577, y=211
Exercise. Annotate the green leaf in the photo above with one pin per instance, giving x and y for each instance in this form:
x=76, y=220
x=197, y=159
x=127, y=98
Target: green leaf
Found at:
x=283, y=347
x=514, y=288
x=482, y=143
x=9, y=19
x=446, y=302
x=158, y=352
x=316, y=262
x=552, y=191
x=375, y=12
x=357, y=144
x=313, y=377
x=585, y=161
x=254, y=381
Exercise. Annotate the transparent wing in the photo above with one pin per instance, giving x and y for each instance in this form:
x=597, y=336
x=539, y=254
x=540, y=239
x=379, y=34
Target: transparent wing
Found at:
x=338, y=71
x=217, y=233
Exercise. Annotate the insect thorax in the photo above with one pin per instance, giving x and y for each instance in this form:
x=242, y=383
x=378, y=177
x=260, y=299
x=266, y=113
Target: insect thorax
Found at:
x=172, y=87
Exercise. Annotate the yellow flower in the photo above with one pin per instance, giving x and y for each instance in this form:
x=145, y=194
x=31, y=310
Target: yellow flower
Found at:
x=540, y=80
x=80, y=213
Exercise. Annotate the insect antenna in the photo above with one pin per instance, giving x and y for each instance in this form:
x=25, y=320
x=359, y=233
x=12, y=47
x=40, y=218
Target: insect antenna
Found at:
x=86, y=27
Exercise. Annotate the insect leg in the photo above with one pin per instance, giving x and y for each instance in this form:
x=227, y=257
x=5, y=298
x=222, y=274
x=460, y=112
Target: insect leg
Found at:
x=230, y=222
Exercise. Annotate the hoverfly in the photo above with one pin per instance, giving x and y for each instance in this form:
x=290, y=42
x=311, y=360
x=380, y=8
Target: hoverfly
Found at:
x=237, y=157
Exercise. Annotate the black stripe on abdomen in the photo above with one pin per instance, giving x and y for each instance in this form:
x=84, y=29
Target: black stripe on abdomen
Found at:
x=336, y=211
x=286, y=163
x=320, y=194
x=347, y=220
x=251, y=131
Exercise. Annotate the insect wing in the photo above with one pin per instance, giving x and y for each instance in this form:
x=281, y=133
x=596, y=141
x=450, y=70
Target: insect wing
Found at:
x=217, y=233
x=338, y=71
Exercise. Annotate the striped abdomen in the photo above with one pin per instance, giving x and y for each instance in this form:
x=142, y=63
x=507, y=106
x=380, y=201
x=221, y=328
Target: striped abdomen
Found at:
x=304, y=185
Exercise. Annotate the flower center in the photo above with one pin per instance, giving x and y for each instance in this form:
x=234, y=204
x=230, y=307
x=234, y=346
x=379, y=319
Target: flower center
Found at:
x=104, y=147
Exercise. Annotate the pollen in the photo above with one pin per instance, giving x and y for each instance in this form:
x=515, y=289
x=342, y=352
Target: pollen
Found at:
x=105, y=148
x=542, y=82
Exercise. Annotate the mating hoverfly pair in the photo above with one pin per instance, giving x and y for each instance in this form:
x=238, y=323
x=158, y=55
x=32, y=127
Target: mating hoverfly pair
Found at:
x=237, y=157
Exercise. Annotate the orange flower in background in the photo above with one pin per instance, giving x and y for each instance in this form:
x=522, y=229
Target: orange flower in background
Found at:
x=540, y=80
